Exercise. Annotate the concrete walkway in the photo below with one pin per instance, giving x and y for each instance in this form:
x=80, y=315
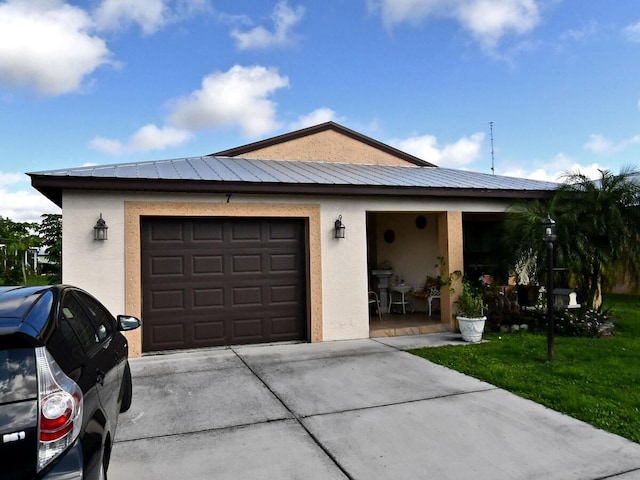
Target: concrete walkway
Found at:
x=352, y=409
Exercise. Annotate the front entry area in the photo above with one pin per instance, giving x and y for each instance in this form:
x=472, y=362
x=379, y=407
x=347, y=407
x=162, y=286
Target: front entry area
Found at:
x=222, y=281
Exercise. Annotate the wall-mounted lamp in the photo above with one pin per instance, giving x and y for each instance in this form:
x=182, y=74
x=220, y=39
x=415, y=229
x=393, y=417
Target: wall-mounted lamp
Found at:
x=340, y=228
x=100, y=229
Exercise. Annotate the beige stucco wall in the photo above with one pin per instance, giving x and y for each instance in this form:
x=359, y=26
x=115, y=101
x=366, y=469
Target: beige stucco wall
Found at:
x=338, y=270
x=327, y=146
x=414, y=251
x=98, y=267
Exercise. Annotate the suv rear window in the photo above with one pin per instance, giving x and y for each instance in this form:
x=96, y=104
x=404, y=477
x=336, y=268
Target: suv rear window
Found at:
x=17, y=375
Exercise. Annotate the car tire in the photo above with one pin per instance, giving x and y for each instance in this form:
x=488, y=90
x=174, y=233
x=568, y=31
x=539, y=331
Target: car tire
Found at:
x=127, y=389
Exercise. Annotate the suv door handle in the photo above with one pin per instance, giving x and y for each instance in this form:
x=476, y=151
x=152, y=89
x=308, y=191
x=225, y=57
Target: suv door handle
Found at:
x=99, y=376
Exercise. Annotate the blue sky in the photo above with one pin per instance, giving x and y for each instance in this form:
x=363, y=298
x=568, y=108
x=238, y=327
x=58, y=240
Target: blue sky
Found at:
x=111, y=81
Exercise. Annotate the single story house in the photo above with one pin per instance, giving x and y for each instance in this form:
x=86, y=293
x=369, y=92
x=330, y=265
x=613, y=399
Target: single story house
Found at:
x=240, y=246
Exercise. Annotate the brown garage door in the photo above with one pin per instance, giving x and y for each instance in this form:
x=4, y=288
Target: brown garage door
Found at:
x=222, y=281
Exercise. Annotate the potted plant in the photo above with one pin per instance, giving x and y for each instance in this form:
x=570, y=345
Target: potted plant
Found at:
x=470, y=316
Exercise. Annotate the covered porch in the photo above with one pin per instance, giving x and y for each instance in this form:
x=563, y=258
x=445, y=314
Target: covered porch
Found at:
x=408, y=250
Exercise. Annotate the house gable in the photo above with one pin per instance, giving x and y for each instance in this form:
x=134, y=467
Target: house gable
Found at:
x=327, y=142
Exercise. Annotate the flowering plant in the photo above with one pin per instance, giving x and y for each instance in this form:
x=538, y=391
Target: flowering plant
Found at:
x=577, y=323
x=580, y=323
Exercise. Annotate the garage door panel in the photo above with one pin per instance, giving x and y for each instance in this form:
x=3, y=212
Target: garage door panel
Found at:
x=243, y=231
x=208, y=298
x=283, y=325
x=207, y=332
x=162, y=265
x=247, y=296
x=209, y=232
x=282, y=231
x=166, y=232
x=248, y=328
x=246, y=264
x=165, y=336
x=284, y=294
x=283, y=263
x=167, y=300
x=207, y=264
x=240, y=281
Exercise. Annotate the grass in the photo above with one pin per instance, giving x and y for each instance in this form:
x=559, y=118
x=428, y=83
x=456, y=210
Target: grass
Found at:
x=593, y=379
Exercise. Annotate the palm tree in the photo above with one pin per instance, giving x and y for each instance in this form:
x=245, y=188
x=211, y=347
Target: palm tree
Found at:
x=598, y=228
x=600, y=223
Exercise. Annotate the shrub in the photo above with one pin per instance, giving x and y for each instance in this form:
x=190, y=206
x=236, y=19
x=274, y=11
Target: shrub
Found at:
x=573, y=322
x=470, y=303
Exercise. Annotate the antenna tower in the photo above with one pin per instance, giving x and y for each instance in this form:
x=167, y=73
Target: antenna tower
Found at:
x=491, y=131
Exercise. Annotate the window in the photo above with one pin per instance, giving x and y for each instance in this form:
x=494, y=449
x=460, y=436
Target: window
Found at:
x=102, y=320
x=17, y=375
x=76, y=326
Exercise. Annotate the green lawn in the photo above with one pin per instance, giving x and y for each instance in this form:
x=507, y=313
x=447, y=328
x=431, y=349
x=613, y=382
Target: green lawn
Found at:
x=596, y=380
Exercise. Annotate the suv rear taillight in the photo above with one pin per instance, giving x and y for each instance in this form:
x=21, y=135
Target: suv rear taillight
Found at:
x=60, y=409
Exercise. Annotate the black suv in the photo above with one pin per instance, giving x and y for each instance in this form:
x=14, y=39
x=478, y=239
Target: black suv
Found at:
x=64, y=378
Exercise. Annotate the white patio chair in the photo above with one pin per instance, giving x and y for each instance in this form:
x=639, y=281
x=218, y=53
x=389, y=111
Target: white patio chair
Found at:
x=374, y=300
x=434, y=292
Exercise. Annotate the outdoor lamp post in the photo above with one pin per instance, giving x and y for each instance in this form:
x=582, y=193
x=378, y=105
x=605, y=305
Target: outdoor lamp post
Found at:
x=549, y=236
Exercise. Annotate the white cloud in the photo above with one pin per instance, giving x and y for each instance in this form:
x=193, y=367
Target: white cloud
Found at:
x=107, y=145
x=394, y=12
x=583, y=32
x=284, y=19
x=632, y=32
x=486, y=20
x=146, y=139
x=7, y=179
x=458, y=154
x=151, y=137
x=150, y=15
x=320, y=115
x=238, y=97
x=20, y=203
x=489, y=21
x=600, y=145
x=553, y=171
x=425, y=147
x=591, y=171
x=47, y=45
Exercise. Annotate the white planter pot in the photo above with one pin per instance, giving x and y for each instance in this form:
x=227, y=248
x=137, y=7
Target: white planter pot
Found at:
x=471, y=328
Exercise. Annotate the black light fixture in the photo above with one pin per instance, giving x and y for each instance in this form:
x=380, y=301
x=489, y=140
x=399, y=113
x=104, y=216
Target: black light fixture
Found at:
x=549, y=230
x=549, y=236
x=339, y=228
x=100, y=229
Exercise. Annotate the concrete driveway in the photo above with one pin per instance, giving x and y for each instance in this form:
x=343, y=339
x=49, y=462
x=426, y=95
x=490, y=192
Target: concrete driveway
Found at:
x=352, y=409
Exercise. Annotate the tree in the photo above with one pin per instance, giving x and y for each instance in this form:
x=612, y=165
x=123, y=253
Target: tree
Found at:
x=16, y=238
x=50, y=231
x=602, y=224
x=598, y=228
